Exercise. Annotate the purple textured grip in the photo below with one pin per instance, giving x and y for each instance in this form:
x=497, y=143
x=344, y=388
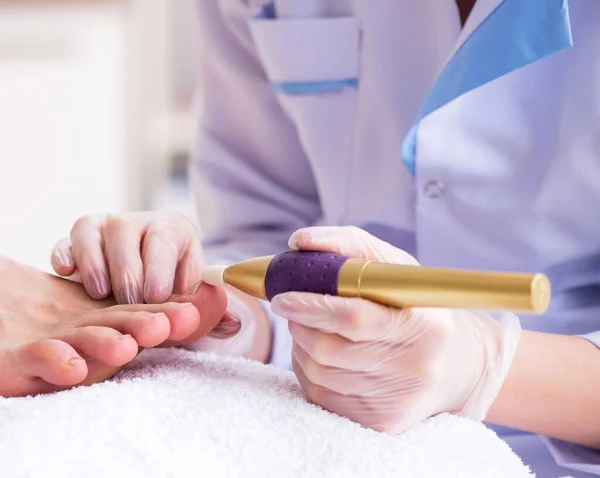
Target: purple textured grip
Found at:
x=294, y=271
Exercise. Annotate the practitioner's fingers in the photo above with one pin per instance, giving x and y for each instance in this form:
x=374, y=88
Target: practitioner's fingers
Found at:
x=62, y=259
x=87, y=251
x=122, y=241
x=166, y=243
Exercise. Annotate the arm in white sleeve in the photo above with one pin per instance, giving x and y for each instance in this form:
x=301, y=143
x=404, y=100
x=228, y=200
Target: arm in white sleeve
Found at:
x=252, y=181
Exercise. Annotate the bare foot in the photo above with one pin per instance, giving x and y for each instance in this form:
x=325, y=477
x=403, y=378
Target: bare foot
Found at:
x=54, y=336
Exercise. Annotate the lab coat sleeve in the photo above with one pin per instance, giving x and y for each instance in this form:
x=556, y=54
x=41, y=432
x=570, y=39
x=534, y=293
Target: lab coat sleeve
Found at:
x=576, y=457
x=252, y=182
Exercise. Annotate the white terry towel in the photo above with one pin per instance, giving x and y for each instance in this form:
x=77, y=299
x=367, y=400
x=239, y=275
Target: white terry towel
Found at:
x=174, y=413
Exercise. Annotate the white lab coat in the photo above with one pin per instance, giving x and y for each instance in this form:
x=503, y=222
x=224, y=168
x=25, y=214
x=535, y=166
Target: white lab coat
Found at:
x=313, y=121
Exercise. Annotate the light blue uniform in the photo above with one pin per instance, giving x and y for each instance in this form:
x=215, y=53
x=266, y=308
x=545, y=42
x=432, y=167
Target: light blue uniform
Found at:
x=474, y=147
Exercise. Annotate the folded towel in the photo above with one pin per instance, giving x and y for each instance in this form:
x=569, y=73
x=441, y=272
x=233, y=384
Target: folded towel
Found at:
x=174, y=413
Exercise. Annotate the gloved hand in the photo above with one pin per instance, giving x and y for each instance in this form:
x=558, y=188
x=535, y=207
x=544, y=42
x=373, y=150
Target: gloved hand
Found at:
x=146, y=257
x=385, y=368
x=139, y=257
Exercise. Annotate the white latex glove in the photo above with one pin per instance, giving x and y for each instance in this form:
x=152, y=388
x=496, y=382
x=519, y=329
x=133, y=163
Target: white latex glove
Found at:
x=139, y=256
x=147, y=257
x=385, y=368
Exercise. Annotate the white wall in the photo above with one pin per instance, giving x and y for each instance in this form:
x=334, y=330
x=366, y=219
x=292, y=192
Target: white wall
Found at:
x=92, y=108
x=62, y=123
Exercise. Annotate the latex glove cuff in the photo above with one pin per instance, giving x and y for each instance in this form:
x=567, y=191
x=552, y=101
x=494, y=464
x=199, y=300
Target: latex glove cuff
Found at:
x=499, y=358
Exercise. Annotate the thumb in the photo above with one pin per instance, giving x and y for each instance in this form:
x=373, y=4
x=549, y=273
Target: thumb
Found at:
x=349, y=241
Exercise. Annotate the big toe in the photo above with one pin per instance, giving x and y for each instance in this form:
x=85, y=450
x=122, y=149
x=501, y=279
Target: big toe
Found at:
x=211, y=303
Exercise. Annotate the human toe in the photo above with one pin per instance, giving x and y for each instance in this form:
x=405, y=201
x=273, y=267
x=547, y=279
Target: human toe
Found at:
x=54, y=361
x=211, y=304
x=182, y=319
x=103, y=344
x=147, y=328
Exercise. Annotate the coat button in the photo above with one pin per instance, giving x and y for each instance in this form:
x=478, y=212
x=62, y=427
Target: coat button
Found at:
x=433, y=189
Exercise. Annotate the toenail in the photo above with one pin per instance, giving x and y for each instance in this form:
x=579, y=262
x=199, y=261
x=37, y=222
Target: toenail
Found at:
x=194, y=288
x=229, y=325
x=123, y=337
x=76, y=361
x=156, y=316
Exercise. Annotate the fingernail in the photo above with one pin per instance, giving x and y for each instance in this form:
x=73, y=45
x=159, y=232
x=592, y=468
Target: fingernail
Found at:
x=63, y=259
x=99, y=284
x=296, y=238
x=123, y=337
x=293, y=243
x=75, y=361
x=304, y=237
x=132, y=293
x=155, y=293
x=229, y=325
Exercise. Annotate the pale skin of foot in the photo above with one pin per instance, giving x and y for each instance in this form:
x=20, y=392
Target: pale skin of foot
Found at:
x=53, y=336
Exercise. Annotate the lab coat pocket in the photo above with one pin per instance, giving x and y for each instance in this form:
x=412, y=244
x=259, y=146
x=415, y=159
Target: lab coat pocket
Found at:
x=313, y=67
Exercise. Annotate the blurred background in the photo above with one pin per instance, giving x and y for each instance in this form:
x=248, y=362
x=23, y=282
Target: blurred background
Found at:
x=96, y=101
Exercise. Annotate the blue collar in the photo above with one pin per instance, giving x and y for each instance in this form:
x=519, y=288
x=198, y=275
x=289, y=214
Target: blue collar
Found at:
x=514, y=34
